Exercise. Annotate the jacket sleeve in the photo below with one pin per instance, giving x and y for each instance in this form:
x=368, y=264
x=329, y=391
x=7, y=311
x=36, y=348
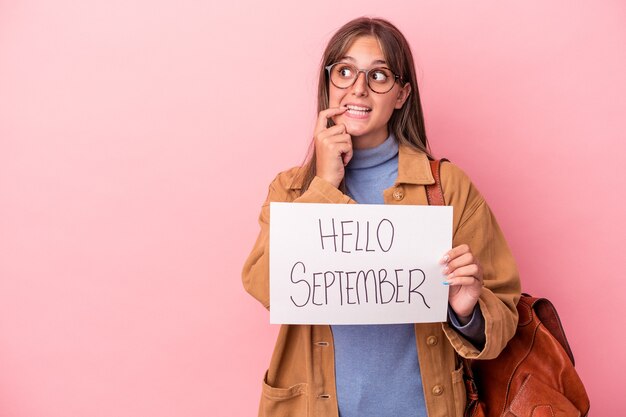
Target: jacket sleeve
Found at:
x=475, y=225
x=255, y=274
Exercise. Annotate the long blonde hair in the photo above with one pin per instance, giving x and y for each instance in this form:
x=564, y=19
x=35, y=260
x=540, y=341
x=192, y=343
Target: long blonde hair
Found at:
x=407, y=123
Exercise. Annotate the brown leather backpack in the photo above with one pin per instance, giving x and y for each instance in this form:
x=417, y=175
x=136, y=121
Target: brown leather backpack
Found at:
x=534, y=375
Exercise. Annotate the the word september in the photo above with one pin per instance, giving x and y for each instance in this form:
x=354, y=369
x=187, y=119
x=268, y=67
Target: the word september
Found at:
x=357, y=287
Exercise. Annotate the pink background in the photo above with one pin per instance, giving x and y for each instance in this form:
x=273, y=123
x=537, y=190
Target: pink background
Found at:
x=137, y=140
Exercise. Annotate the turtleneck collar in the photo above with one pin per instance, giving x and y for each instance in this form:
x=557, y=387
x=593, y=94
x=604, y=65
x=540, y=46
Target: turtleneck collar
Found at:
x=372, y=157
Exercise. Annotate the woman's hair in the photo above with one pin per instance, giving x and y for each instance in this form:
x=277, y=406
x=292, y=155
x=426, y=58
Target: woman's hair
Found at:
x=406, y=123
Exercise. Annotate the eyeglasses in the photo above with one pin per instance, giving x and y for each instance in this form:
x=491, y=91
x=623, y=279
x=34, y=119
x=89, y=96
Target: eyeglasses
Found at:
x=379, y=79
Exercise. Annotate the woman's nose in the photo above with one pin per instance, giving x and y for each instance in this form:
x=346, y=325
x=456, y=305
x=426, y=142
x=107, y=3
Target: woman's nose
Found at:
x=360, y=85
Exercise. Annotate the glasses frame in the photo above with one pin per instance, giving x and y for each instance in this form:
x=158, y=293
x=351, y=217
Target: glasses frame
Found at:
x=367, y=78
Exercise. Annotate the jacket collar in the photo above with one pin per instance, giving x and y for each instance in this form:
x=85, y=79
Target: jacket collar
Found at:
x=413, y=168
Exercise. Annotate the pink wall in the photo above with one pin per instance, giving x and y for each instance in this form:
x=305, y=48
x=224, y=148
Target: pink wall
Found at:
x=137, y=140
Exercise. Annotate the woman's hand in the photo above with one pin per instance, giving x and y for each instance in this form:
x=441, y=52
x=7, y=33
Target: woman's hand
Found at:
x=465, y=278
x=333, y=147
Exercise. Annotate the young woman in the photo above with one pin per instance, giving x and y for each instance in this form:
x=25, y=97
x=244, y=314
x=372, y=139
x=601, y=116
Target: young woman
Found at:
x=370, y=147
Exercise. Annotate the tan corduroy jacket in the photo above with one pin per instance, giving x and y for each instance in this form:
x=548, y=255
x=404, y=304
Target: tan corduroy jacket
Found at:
x=300, y=380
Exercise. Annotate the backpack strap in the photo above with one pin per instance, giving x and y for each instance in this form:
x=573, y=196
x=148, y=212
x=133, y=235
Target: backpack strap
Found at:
x=434, y=192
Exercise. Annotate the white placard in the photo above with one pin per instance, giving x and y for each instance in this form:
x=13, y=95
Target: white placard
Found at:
x=358, y=263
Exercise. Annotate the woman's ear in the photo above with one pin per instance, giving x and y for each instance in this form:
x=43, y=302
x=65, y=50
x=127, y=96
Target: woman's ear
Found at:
x=403, y=94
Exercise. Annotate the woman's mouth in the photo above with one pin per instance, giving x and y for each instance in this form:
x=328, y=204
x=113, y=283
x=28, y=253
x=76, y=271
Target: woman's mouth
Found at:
x=357, y=112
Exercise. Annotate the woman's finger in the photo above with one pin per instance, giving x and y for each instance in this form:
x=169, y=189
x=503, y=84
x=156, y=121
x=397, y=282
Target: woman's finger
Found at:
x=462, y=281
x=333, y=130
x=346, y=151
x=334, y=134
x=472, y=270
x=322, y=119
x=455, y=253
x=333, y=143
x=338, y=147
x=461, y=261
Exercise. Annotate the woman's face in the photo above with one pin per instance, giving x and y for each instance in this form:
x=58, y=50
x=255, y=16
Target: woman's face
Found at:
x=368, y=112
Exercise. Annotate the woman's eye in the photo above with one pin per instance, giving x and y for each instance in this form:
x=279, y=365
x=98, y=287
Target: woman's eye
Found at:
x=379, y=76
x=345, y=72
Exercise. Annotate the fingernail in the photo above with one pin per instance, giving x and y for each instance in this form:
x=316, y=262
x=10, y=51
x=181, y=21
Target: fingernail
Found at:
x=445, y=283
x=445, y=270
x=444, y=260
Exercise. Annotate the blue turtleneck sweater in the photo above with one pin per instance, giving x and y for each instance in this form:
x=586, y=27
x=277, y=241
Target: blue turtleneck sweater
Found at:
x=376, y=367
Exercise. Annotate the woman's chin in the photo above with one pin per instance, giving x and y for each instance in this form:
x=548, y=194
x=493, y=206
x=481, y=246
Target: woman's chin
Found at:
x=355, y=128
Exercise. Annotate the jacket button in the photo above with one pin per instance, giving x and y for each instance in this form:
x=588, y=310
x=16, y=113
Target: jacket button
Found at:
x=398, y=193
x=431, y=340
x=437, y=390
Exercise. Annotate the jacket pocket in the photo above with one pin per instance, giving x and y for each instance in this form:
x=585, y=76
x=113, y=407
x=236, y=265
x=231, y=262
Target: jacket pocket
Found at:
x=536, y=399
x=458, y=389
x=283, y=402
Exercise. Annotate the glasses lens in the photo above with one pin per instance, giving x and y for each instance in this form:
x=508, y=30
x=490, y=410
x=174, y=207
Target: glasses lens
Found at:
x=343, y=75
x=381, y=79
